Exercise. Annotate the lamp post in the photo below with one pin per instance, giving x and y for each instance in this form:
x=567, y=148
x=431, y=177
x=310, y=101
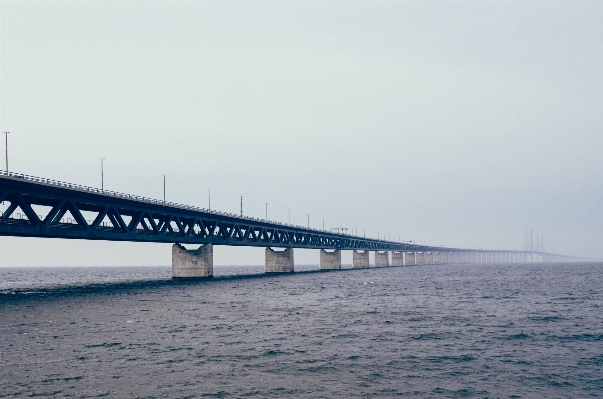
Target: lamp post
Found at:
x=266, y=211
x=164, y=189
x=308, y=220
x=102, y=174
x=289, y=216
x=6, y=149
x=241, y=206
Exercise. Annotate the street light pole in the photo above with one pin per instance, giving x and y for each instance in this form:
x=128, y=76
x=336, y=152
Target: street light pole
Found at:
x=241, y=206
x=102, y=174
x=289, y=216
x=308, y=220
x=266, y=211
x=323, y=224
x=6, y=149
x=164, y=189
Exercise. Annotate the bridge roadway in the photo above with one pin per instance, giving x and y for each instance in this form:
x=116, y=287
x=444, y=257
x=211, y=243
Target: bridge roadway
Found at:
x=39, y=207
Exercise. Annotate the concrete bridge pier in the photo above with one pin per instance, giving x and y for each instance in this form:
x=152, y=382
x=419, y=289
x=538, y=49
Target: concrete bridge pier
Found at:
x=473, y=258
x=456, y=257
x=420, y=258
x=330, y=260
x=278, y=261
x=429, y=258
x=360, y=259
x=381, y=259
x=437, y=258
x=195, y=263
x=397, y=258
x=409, y=258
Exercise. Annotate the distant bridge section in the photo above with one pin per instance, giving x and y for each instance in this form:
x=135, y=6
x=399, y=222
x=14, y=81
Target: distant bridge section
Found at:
x=38, y=207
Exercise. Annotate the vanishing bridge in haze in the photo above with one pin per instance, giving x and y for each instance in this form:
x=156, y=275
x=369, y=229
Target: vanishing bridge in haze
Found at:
x=38, y=207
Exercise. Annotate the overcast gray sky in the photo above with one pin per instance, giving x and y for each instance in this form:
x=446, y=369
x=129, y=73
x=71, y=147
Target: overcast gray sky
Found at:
x=453, y=123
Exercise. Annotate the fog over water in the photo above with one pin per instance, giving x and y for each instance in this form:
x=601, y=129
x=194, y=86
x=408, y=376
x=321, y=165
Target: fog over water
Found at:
x=451, y=123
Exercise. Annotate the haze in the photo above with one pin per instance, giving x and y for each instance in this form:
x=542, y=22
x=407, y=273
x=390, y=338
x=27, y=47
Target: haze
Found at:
x=449, y=123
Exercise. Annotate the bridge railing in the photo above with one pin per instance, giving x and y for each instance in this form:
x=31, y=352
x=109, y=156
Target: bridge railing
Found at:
x=96, y=190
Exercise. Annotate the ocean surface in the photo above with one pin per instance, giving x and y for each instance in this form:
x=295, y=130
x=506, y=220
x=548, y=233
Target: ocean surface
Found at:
x=458, y=331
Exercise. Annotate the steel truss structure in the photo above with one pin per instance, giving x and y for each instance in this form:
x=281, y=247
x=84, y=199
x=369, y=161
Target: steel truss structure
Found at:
x=37, y=207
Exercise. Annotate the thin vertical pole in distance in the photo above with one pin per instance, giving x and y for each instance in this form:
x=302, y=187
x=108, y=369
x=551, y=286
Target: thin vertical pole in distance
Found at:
x=266, y=211
x=308, y=220
x=102, y=174
x=209, y=198
x=6, y=149
x=241, y=206
x=164, y=189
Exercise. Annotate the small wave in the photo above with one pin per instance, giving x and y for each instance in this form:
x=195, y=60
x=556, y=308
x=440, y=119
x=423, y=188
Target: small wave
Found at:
x=580, y=337
x=455, y=359
x=517, y=336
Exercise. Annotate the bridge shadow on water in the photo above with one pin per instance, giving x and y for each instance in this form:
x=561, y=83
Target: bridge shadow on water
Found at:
x=71, y=290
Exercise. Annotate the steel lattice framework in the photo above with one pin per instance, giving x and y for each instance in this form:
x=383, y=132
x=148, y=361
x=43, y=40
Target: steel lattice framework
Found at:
x=37, y=207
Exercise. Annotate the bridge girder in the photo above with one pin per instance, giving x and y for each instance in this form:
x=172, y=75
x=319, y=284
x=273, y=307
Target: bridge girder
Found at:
x=126, y=218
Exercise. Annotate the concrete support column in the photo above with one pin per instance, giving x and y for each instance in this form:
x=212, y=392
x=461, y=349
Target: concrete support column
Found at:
x=360, y=260
x=429, y=258
x=381, y=259
x=473, y=257
x=278, y=261
x=195, y=263
x=437, y=258
x=330, y=260
x=397, y=258
x=409, y=258
x=420, y=258
x=456, y=257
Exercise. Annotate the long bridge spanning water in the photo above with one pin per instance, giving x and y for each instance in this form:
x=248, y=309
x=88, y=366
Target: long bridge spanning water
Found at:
x=38, y=207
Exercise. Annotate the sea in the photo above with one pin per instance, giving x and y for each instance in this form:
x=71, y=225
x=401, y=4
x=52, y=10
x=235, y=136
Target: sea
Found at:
x=445, y=331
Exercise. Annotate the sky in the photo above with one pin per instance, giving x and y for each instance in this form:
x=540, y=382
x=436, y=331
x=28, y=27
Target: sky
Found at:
x=456, y=123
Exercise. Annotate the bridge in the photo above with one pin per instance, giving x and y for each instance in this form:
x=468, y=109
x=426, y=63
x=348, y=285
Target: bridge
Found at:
x=39, y=207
